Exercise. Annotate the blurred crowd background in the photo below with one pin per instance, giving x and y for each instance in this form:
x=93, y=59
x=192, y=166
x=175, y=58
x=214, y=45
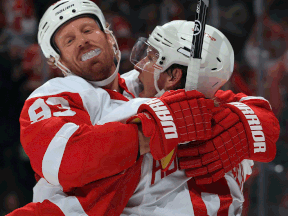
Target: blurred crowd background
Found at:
x=258, y=31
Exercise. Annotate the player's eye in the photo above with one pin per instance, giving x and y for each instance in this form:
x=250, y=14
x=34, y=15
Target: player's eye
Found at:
x=87, y=30
x=68, y=41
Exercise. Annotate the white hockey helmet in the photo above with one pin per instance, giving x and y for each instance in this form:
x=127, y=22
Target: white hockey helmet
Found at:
x=172, y=42
x=60, y=13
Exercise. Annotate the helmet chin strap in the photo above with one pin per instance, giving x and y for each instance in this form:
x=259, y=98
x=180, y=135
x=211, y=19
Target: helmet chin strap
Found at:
x=160, y=93
x=108, y=80
x=62, y=67
x=156, y=78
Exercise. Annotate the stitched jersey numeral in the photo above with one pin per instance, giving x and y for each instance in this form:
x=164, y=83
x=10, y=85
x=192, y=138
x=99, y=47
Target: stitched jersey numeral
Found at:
x=39, y=110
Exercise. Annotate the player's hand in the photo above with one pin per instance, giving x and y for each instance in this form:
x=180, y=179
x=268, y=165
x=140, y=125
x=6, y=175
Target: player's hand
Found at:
x=143, y=141
x=210, y=160
x=176, y=117
x=231, y=143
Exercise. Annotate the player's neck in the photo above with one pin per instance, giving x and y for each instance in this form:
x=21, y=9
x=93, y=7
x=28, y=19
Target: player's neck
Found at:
x=114, y=85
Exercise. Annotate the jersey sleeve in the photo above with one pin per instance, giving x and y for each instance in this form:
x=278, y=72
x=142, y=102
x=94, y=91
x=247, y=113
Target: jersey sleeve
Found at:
x=66, y=149
x=259, y=119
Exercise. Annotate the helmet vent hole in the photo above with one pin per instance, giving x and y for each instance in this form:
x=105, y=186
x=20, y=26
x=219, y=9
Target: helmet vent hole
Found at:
x=87, y=4
x=182, y=38
x=157, y=39
x=159, y=35
x=166, y=44
x=44, y=25
x=187, y=49
x=167, y=40
x=59, y=5
x=214, y=69
x=46, y=29
x=218, y=59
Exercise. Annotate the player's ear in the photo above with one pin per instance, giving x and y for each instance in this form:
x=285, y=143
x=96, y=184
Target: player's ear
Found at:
x=110, y=39
x=174, y=80
x=51, y=62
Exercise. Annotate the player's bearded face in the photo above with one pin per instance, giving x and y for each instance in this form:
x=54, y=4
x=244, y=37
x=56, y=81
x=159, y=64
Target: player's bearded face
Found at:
x=85, y=49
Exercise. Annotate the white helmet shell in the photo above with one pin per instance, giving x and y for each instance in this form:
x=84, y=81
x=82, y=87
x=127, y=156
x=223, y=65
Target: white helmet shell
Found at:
x=58, y=14
x=173, y=42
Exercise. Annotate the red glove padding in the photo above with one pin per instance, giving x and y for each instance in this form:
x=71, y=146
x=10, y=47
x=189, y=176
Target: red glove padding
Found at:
x=176, y=117
x=236, y=137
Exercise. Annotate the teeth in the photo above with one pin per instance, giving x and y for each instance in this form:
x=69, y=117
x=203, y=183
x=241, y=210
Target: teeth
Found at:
x=90, y=54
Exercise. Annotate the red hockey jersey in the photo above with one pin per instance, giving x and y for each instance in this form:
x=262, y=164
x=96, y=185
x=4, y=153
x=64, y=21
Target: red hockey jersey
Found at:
x=81, y=163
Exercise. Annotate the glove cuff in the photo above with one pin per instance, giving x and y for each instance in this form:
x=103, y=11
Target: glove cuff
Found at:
x=147, y=121
x=164, y=137
x=254, y=131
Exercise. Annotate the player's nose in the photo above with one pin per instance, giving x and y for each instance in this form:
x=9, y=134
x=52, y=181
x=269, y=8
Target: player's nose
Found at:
x=82, y=41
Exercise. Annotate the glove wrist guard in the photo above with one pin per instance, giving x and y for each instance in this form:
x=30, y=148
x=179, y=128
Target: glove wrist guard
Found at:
x=254, y=137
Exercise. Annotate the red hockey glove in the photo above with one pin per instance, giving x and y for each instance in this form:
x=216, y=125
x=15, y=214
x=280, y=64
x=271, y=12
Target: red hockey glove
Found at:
x=176, y=117
x=238, y=135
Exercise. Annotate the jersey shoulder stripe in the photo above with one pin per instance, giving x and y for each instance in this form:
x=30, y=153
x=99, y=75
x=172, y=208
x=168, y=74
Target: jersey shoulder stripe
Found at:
x=73, y=84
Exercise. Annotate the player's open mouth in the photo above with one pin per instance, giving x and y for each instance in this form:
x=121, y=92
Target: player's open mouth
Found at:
x=91, y=54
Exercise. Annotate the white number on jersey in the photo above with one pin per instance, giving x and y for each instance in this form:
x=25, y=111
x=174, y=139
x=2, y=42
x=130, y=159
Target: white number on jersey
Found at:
x=39, y=110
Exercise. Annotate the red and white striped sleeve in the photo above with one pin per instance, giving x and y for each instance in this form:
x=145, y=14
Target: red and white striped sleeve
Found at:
x=64, y=145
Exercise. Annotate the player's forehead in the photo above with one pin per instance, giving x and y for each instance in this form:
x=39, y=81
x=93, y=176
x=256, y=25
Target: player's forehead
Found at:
x=73, y=24
x=151, y=51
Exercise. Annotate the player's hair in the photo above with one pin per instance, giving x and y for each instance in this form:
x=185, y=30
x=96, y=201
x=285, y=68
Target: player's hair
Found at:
x=181, y=84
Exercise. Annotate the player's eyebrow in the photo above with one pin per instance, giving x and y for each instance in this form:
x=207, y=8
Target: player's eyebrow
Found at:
x=87, y=23
x=68, y=33
x=65, y=35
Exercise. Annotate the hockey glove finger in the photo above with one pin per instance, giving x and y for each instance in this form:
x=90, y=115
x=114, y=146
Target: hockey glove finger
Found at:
x=206, y=107
x=193, y=162
x=226, y=147
x=194, y=110
x=206, y=175
x=223, y=120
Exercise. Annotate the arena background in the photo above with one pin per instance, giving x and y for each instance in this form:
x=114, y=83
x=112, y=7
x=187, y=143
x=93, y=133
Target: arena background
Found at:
x=258, y=31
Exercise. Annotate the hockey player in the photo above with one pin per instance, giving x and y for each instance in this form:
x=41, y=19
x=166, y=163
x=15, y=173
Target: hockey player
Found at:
x=170, y=193
x=58, y=121
x=152, y=182
x=239, y=118
x=66, y=110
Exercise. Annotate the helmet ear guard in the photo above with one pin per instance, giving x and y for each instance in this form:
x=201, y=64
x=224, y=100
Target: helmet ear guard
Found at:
x=173, y=41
